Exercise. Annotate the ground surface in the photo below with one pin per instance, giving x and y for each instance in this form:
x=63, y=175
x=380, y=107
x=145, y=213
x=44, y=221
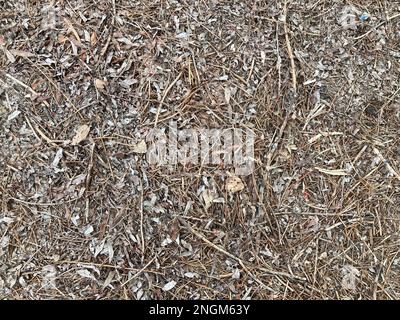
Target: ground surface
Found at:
x=319, y=216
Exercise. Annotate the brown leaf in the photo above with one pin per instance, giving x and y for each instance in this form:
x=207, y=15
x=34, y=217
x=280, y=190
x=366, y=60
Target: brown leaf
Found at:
x=24, y=54
x=62, y=39
x=93, y=39
x=81, y=134
x=100, y=84
x=234, y=184
x=72, y=29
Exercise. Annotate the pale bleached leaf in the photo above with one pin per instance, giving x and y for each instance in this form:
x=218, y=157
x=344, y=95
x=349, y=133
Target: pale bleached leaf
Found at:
x=13, y=115
x=208, y=198
x=333, y=172
x=81, y=134
x=227, y=94
x=234, y=184
x=170, y=285
x=23, y=54
x=57, y=158
x=140, y=147
x=100, y=84
x=86, y=274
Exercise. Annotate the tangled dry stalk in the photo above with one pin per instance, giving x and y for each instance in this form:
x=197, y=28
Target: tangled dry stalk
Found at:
x=84, y=216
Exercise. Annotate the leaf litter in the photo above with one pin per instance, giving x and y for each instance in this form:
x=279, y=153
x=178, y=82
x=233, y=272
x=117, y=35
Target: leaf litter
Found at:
x=83, y=82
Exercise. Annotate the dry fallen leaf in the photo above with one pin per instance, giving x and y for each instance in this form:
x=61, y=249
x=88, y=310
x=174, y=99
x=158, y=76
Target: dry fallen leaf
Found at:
x=57, y=158
x=100, y=84
x=62, y=39
x=86, y=274
x=128, y=82
x=140, y=147
x=350, y=277
x=23, y=54
x=208, y=198
x=3, y=110
x=338, y=172
x=72, y=30
x=81, y=134
x=13, y=115
x=227, y=95
x=234, y=184
x=170, y=285
x=8, y=54
x=93, y=39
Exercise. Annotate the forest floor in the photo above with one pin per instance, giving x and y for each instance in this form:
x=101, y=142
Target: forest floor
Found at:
x=85, y=215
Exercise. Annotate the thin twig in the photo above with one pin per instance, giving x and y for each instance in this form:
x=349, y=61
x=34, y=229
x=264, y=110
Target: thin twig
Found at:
x=163, y=98
x=246, y=268
x=386, y=162
x=139, y=272
x=289, y=49
x=34, y=93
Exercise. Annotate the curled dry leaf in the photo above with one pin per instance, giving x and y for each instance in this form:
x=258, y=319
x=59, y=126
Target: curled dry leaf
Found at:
x=234, y=184
x=84, y=273
x=57, y=158
x=227, y=94
x=208, y=198
x=93, y=39
x=337, y=172
x=81, y=134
